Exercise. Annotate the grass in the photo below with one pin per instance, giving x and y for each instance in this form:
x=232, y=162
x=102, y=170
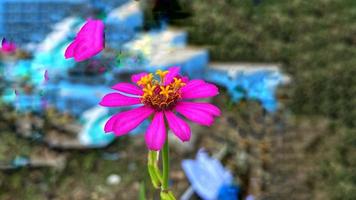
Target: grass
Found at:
x=314, y=40
x=83, y=178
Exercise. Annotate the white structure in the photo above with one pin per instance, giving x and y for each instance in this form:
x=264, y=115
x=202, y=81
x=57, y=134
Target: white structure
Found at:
x=165, y=48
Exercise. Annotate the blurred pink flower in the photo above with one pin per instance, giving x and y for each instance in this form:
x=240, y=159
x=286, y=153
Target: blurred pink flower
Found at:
x=88, y=42
x=163, y=98
x=7, y=47
x=45, y=76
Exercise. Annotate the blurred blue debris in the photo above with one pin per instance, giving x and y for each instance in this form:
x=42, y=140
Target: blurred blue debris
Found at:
x=250, y=197
x=122, y=23
x=228, y=192
x=27, y=102
x=20, y=161
x=66, y=96
x=111, y=156
x=107, y=5
x=247, y=82
x=209, y=179
x=36, y=136
x=92, y=133
x=8, y=96
x=21, y=70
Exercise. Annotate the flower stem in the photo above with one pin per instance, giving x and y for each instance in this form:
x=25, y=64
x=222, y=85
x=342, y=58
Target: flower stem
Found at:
x=165, y=193
x=165, y=165
x=153, y=169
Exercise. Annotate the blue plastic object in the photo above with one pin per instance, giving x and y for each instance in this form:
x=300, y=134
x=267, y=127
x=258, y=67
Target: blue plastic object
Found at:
x=228, y=192
x=207, y=176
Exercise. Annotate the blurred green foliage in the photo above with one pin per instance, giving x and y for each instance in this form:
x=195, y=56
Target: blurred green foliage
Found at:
x=338, y=166
x=314, y=40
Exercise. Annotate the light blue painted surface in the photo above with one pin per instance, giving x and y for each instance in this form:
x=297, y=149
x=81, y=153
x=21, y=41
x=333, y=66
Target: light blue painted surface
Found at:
x=2, y=27
x=92, y=133
x=119, y=30
x=96, y=135
x=260, y=85
x=76, y=98
x=8, y=96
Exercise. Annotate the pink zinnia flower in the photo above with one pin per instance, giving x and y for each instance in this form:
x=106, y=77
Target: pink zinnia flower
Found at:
x=163, y=98
x=88, y=42
x=7, y=47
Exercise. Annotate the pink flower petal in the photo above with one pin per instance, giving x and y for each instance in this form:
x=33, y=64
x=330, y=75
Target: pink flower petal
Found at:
x=196, y=115
x=185, y=79
x=88, y=42
x=87, y=48
x=128, y=120
x=7, y=47
x=128, y=88
x=117, y=99
x=172, y=72
x=87, y=28
x=192, y=84
x=45, y=76
x=206, y=107
x=156, y=133
x=137, y=77
x=179, y=127
x=198, y=89
x=110, y=123
x=69, y=53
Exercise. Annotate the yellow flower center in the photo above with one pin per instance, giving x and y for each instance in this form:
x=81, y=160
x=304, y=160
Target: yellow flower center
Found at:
x=165, y=90
x=178, y=82
x=147, y=79
x=156, y=94
x=149, y=89
x=161, y=74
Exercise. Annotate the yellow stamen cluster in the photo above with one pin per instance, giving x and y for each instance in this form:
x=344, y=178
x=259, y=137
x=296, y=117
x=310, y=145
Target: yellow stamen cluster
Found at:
x=161, y=74
x=165, y=90
x=156, y=94
x=178, y=82
x=148, y=90
x=147, y=79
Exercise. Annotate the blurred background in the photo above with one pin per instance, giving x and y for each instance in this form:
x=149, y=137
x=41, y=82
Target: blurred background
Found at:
x=286, y=72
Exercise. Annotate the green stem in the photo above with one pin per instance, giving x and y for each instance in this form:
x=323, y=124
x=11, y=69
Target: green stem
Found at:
x=153, y=169
x=165, y=165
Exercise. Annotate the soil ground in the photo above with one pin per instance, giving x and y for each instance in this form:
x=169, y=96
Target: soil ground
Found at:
x=271, y=156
